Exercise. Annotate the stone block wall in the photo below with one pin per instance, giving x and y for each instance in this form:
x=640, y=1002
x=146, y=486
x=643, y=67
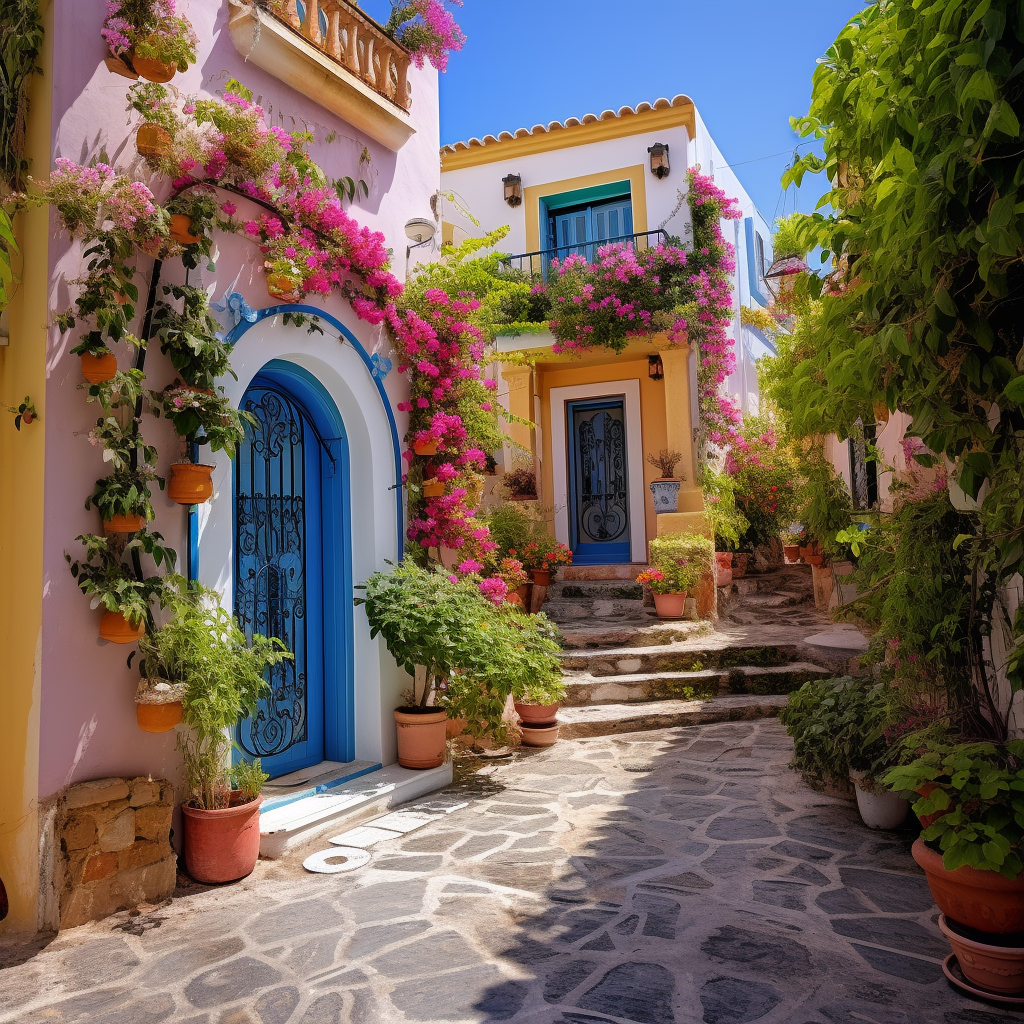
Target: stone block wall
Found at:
x=113, y=847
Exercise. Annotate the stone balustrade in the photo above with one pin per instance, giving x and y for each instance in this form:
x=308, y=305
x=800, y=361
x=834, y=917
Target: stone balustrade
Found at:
x=354, y=41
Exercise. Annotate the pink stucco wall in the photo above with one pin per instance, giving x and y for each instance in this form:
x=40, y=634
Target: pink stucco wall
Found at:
x=88, y=726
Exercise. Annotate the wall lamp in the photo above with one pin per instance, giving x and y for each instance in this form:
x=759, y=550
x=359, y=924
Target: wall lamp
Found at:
x=659, y=159
x=513, y=189
x=655, y=367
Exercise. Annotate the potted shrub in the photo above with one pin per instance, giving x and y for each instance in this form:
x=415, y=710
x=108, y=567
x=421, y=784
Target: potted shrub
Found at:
x=466, y=654
x=223, y=678
x=110, y=581
x=512, y=573
x=542, y=557
x=521, y=483
x=678, y=563
x=123, y=499
x=665, y=489
x=973, y=854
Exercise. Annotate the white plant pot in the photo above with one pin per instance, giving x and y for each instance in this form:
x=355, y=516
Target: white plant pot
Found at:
x=879, y=810
x=666, y=495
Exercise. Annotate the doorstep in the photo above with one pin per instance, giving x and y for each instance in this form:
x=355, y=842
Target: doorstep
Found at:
x=288, y=822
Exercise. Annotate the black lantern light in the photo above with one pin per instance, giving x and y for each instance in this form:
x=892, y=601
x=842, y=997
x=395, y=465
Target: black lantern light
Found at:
x=659, y=159
x=513, y=189
x=655, y=367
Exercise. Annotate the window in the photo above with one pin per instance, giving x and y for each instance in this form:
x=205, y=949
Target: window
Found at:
x=583, y=229
x=759, y=255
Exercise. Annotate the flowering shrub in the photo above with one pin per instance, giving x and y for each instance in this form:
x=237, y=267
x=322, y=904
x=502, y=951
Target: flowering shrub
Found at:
x=764, y=472
x=149, y=28
x=428, y=29
x=511, y=571
x=654, y=580
x=681, y=559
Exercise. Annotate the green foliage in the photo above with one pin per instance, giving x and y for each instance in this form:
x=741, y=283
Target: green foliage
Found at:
x=189, y=337
x=513, y=527
x=787, y=239
x=980, y=787
x=202, y=646
x=682, y=559
x=826, y=507
x=727, y=522
x=112, y=583
x=475, y=653
x=8, y=250
x=21, y=39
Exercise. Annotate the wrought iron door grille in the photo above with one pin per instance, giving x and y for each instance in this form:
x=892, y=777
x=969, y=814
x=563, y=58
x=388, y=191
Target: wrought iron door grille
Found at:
x=602, y=506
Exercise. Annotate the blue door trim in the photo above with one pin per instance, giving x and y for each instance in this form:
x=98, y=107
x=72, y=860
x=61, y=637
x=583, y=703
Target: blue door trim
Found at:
x=591, y=553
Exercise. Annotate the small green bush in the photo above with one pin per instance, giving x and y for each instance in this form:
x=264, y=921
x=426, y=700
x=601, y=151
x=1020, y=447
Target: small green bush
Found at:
x=683, y=559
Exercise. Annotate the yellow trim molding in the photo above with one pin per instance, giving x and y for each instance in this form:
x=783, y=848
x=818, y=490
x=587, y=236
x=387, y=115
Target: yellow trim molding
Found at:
x=533, y=194
x=558, y=135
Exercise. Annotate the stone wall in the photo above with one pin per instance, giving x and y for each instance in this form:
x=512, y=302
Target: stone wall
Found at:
x=112, y=847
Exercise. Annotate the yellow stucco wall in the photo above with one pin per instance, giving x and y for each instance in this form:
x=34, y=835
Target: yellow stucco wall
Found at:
x=23, y=372
x=653, y=420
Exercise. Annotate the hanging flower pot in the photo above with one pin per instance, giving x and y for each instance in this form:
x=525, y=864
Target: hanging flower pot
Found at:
x=670, y=606
x=152, y=141
x=222, y=845
x=153, y=70
x=433, y=488
x=99, y=369
x=422, y=734
x=117, y=66
x=158, y=706
x=181, y=229
x=190, y=484
x=118, y=630
x=283, y=287
x=425, y=447
x=123, y=524
x=881, y=412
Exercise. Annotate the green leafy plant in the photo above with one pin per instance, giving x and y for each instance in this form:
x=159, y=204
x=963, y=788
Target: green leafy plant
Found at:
x=727, y=522
x=682, y=559
x=513, y=526
x=979, y=787
x=190, y=337
x=475, y=654
x=826, y=508
x=21, y=28
x=125, y=492
x=25, y=412
x=207, y=417
x=203, y=647
x=112, y=583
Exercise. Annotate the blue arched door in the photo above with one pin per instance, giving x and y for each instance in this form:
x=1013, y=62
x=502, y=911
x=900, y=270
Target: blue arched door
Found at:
x=291, y=568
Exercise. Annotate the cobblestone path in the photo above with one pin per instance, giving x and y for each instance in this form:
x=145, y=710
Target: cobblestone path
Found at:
x=657, y=878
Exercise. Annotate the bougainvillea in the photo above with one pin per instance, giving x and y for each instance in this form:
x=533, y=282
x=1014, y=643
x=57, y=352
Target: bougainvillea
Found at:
x=149, y=28
x=428, y=29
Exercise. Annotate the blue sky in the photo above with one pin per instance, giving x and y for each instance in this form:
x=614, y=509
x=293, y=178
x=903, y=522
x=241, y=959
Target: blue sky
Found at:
x=747, y=64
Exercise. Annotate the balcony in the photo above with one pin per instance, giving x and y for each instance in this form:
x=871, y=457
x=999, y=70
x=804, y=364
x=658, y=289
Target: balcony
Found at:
x=536, y=264
x=330, y=51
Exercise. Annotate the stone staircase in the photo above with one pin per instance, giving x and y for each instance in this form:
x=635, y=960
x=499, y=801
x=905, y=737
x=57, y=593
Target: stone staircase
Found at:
x=626, y=670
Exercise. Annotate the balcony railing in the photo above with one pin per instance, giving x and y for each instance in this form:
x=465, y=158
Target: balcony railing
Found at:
x=536, y=264
x=344, y=33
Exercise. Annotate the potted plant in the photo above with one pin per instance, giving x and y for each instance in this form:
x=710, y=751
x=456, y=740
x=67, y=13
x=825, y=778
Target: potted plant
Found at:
x=542, y=557
x=511, y=571
x=223, y=676
x=665, y=489
x=537, y=708
x=123, y=499
x=466, y=654
x=111, y=583
x=678, y=563
x=425, y=444
x=521, y=483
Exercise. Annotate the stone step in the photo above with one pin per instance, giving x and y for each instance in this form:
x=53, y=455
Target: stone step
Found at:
x=602, y=572
x=690, y=656
x=594, y=590
x=635, y=632
x=659, y=686
x=568, y=611
x=608, y=719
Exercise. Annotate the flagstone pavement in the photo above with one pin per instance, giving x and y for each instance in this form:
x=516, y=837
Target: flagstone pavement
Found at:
x=652, y=878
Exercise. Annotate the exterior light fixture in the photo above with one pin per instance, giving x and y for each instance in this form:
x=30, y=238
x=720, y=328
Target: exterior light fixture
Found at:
x=420, y=230
x=655, y=367
x=659, y=160
x=513, y=189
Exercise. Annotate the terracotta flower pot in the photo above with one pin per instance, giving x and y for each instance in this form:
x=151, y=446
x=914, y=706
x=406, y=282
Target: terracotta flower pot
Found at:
x=123, y=524
x=792, y=552
x=222, y=845
x=181, y=229
x=537, y=714
x=984, y=900
x=433, y=489
x=153, y=70
x=190, y=484
x=539, y=735
x=152, y=141
x=541, y=577
x=813, y=559
x=116, y=66
x=421, y=736
x=425, y=448
x=670, y=606
x=158, y=717
x=512, y=597
x=986, y=963
x=282, y=287
x=99, y=369
x=118, y=630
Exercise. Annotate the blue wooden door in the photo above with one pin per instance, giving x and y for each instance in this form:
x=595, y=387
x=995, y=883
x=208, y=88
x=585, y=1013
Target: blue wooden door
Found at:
x=279, y=559
x=598, y=482
x=585, y=229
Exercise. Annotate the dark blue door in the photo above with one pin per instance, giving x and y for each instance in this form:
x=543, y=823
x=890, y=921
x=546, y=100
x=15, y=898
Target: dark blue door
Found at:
x=279, y=577
x=585, y=229
x=598, y=482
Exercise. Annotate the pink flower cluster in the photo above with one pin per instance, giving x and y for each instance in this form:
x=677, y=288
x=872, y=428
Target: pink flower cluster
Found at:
x=430, y=32
x=120, y=33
